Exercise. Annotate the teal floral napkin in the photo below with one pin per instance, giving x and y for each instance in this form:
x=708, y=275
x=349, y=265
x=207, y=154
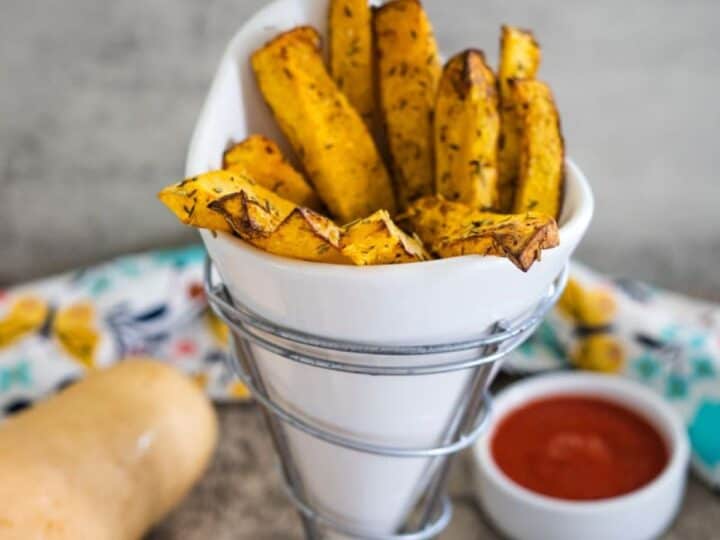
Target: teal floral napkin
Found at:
x=669, y=342
x=54, y=330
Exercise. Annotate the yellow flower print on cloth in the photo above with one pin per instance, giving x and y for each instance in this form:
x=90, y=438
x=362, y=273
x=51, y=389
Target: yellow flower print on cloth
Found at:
x=54, y=330
x=592, y=311
x=25, y=316
x=74, y=327
x=221, y=333
x=218, y=329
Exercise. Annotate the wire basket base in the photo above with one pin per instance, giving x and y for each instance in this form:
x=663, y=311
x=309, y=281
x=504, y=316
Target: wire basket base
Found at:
x=250, y=331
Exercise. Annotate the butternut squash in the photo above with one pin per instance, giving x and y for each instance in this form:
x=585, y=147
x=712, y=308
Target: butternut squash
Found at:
x=106, y=458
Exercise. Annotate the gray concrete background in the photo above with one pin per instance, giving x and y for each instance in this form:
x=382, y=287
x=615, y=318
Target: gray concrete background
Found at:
x=98, y=100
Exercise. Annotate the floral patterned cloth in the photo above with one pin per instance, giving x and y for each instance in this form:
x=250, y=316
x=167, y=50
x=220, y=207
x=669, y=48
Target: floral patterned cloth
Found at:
x=54, y=330
x=666, y=341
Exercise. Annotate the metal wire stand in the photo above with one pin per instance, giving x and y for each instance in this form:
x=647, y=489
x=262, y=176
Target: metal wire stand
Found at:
x=434, y=510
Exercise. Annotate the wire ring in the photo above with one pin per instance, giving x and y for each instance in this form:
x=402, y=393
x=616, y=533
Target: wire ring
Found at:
x=463, y=441
x=240, y=314
x=367, y=369
x=246, y=323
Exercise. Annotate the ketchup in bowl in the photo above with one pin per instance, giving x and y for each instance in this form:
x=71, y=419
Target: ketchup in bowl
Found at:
x=578, y=448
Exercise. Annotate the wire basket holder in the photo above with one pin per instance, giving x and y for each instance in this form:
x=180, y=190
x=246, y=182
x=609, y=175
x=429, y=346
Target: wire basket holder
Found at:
x=468, y=422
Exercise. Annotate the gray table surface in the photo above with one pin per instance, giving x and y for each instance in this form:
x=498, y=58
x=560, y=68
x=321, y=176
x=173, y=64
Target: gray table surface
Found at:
x=99, y=98
x=241, y=497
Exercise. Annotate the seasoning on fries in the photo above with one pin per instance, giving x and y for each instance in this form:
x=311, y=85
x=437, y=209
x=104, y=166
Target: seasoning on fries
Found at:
x=477, y=159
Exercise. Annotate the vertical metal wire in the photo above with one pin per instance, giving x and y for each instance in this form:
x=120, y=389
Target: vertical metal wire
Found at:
x=466, y=416
x=277, y=434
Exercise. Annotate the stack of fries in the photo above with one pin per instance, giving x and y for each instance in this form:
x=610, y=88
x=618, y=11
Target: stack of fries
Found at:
x=476, y=158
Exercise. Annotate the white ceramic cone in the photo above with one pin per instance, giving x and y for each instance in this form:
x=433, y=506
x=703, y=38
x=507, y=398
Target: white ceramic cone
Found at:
x=368, y=491
x=431, y=302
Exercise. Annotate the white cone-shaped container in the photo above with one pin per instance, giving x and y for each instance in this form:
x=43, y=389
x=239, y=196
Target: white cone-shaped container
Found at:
x=423, y=303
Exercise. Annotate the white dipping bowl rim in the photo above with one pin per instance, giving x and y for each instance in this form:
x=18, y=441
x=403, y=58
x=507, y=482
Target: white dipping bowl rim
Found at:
x=663, y=418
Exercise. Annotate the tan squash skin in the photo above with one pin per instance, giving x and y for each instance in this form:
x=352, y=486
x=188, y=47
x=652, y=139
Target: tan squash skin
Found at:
x=105, y=459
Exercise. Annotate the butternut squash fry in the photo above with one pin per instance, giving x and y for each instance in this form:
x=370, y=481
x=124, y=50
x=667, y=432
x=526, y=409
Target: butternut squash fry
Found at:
x=189, y=199
x=541, y=177
x=260, y=158
x=519, y=59
x=302, y=234
x=467, y=126
x=326, y=132
x=351, y=53
x=450, y=229
x=377, y=240
x=408, y=74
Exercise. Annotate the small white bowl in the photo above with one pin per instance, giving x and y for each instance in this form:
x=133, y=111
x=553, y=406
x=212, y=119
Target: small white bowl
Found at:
x=641, y=515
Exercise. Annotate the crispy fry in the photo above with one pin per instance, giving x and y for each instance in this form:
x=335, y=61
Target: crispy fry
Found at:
x=351, y=53
x=327, y=133
x=260, y=158
x=467, y=125
x=408, y=73
x=451, y=229
x=189, y=199
x=301, y=234
x=305, y=235
x=541, y=177
x=377, y=240
x=248, y=215
x=519, y=59
x=433, y=217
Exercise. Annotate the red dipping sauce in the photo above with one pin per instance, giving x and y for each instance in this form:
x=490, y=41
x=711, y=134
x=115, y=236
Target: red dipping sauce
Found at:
x=578, y=448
